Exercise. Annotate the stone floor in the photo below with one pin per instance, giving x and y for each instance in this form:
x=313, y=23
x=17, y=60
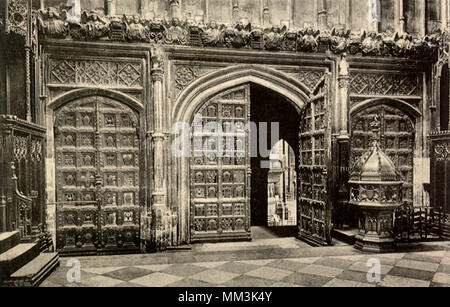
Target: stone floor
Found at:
x=265, y=262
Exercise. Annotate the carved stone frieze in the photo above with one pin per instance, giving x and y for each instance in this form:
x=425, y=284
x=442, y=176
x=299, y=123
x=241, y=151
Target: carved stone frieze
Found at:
x=95, y=26
x=96, y=72
x=362, y=83
x=310, y=78
x=186, y=74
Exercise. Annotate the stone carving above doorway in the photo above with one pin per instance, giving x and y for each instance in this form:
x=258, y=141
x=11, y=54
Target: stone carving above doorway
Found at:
x=95, y=72
x=362, y=83
x=94, y=26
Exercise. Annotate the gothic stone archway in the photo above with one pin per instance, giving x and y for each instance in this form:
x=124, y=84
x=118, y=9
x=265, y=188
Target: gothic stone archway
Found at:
x=314, y=200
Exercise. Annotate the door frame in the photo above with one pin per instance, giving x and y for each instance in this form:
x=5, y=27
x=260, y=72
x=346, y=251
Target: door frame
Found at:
x=203, y=89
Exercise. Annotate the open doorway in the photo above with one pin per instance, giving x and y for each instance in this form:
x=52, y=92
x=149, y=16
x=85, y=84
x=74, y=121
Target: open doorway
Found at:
x=281, y=186
x=274, y=179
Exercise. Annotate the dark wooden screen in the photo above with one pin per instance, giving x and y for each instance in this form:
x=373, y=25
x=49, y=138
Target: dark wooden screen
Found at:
x=220, y=186
x=97, y=171
x=23, y=174
x=440, y=171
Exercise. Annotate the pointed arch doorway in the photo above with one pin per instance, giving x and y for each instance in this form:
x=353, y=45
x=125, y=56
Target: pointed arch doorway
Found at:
x=228, y=195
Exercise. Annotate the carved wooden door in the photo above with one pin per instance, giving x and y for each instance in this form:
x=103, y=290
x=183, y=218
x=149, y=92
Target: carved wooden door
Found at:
x=314, y=205
x=220, y=179
x=397, y=141
x=97, y=173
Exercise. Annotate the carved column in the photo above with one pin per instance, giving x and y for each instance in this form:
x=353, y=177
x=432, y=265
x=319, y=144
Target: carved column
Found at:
x=110, y=9
x=422, y=17
x=444, y=16
x=322, y=14
x=437, y=97
x=266, y=12
x=158, y=138
x=399, y=16
x=174, y=9
x=343, y=81
x=235, y=14
x=375, y=14
x=343, y=139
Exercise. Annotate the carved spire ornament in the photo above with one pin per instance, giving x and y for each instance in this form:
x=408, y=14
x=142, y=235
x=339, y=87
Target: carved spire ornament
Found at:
x=375, y=187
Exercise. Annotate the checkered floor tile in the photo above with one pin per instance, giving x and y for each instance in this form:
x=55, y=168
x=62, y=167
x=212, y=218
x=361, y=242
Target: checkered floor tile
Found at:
x=414, y=269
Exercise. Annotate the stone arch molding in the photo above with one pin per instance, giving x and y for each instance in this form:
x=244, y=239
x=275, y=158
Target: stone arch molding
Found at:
x=209, y=85
x=400, y=104
x=72, y=95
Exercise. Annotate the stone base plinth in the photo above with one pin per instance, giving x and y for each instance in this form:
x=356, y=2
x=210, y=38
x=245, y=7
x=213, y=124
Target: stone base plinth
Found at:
x=374, y=244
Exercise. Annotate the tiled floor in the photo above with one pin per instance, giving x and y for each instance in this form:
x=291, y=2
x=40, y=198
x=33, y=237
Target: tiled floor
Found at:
x=341, y=266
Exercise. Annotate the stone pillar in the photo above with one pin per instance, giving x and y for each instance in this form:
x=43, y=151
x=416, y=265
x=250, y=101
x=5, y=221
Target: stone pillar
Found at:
x=343, y=81
x=437, y=98
x=158, y=137
x=235, y=12
x=420, y=9
x=174, y=9
x=374, y=10
x=343, y=138
x=322, y=14
x=266, y=13
x=3, y=216
x=399, y=18
x=110, y=8
x=444, y=16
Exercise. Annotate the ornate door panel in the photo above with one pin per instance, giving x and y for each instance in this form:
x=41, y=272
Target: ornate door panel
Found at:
x=314, y=206
x=220, y=184
x=118, y=154
x=397, y=140
x=97, y=149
